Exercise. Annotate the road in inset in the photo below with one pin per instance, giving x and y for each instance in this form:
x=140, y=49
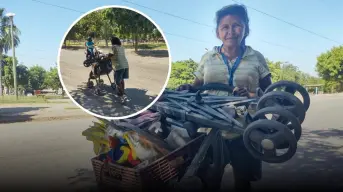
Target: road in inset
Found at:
x=147, y=75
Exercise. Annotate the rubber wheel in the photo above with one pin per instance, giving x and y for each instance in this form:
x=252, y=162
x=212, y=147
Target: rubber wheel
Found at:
x=258, y=130
x=294, y=85
x=114, y=86
x=97, y=91
x=86, y=63
x=289, y=116
x=90, y=84
x=298, y=110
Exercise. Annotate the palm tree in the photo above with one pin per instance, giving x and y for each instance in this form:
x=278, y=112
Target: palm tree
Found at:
x=6, y=39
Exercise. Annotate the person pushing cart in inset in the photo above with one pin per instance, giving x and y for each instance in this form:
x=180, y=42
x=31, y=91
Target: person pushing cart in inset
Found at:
x=120, y=66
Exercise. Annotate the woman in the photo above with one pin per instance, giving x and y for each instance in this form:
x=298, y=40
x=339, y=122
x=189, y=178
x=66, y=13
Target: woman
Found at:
x=242, y=67
x=120, y=65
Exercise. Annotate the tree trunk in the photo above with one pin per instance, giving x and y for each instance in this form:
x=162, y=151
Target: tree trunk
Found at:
x=136, y=42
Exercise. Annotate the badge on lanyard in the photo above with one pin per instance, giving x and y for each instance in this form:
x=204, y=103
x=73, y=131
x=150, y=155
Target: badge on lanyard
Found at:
x=234, y=67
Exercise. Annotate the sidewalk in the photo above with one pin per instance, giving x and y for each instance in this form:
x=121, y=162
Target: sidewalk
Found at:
x=15, y=113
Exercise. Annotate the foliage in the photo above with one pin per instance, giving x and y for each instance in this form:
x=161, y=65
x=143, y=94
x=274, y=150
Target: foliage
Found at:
x=6, y=42
x=5, y=33
x=123, y=23
x=182, y=73
x=52, y=80
x=330, y=68
x=37, y=75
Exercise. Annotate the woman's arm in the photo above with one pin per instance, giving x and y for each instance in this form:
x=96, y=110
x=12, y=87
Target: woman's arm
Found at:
x=265, y=82
x=197, y=83
x=264, y=72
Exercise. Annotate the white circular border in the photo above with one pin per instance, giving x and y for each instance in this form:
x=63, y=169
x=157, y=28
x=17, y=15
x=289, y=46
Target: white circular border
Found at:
x=105, y=117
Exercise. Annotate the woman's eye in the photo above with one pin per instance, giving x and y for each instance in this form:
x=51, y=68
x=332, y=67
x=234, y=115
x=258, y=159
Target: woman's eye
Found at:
x=235, y=25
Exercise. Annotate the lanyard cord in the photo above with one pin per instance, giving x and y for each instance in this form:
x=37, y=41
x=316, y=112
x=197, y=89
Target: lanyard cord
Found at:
x=235, y=65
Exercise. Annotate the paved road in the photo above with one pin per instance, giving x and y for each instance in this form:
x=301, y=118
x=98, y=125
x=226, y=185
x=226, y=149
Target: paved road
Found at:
x=32, y=153
x=43, y=155
x=148, y=73
x=319, y=158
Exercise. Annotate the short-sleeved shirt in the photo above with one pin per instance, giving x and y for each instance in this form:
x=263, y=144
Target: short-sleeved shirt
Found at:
x=90, y=45
x=252, y=68
x=119, y=60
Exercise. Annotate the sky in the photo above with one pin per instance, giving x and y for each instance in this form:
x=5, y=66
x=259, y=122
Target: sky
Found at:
x=43, y=27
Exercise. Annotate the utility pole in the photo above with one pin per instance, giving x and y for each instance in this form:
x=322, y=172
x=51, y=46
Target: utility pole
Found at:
x=1, y=65
x=11, y=15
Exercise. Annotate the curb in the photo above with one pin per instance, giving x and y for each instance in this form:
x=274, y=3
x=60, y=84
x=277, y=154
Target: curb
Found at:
x=9, y=119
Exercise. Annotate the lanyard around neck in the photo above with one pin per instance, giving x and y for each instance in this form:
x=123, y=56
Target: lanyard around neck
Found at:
x=235, y=65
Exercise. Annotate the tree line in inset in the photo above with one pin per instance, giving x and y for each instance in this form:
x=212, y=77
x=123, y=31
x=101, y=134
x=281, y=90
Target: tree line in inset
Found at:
x=123, y=23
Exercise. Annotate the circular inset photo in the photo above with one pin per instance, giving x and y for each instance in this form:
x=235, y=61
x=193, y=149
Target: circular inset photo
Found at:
x=114, y=62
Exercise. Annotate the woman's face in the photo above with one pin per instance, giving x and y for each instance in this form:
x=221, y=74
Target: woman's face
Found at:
x=231, y=31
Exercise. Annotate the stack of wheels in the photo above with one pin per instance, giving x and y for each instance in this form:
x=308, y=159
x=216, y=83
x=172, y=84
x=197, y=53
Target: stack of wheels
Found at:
x=263, y=137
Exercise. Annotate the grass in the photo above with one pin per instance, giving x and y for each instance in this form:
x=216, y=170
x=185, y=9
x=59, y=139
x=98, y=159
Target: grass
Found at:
x=8, y=99
x=22, y=99
x=151, y=46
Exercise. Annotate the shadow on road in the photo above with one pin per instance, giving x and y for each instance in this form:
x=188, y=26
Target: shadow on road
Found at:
x=8, y=113
x=153, y=53
x=108, y=103
x=83, y=180
x=317, y=163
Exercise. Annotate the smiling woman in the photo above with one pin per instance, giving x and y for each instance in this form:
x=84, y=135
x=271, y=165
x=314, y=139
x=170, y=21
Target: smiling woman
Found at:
x=241, y=67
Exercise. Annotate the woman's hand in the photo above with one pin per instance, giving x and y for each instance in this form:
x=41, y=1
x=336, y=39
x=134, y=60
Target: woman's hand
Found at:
x=242, y=92
x=184, y=87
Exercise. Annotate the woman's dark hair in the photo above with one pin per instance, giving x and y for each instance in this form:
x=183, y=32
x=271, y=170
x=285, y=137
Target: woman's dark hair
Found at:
x=92, y=34
x=237, y=10
x=115, y=41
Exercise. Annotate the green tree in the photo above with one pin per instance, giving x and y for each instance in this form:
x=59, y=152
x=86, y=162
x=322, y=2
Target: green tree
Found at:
x=23, y=77
x=182, y=73
x=130, y=24
x=6, y=38
x=52, y=80
x=330, y=68
x=8, y=71
x=36, y=77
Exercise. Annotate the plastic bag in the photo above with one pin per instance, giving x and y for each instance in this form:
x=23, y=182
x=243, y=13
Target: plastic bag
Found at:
x=143, y=148
x=178, y=137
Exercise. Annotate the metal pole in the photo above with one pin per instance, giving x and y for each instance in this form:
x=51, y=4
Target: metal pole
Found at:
x=14, y=63
x=1, y=75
